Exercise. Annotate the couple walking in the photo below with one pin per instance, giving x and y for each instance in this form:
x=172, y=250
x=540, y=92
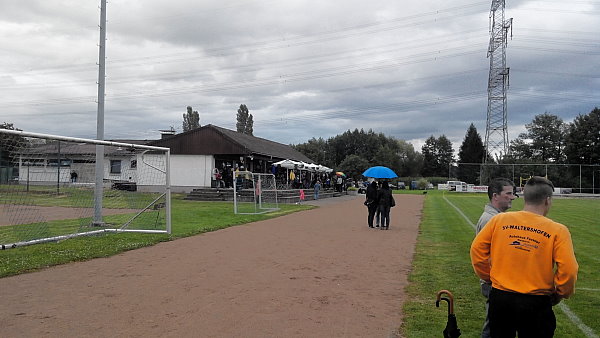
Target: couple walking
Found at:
x=379, y=201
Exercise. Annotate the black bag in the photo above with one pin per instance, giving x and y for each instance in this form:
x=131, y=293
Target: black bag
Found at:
x=392, y=202
x=369, y=202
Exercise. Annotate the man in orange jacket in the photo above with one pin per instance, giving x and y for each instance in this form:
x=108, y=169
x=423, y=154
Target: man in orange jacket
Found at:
x=530, y=262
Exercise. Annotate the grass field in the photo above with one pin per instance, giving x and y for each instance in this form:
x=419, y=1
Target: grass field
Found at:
x=190, y=217
x=442, y=262
x=441, y=259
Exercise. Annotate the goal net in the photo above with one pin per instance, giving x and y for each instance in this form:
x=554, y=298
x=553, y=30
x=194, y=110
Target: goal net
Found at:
x=254, y=193
x=52, y=189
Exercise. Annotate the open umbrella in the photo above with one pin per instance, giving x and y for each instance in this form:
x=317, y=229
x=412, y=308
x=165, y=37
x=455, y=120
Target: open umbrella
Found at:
x=451, y=330
x=339, y=173
x=380, y=172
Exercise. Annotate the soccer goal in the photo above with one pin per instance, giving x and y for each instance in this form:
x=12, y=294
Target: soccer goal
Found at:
x=254, y=193
x=52, y=189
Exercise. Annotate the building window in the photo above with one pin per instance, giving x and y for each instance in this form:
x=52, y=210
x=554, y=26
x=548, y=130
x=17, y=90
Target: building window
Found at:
x=115, y=166
x=133, y=164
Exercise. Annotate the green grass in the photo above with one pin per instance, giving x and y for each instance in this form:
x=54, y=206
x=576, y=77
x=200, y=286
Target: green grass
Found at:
x=188, y=218
x=442, y=261
x=441, y=258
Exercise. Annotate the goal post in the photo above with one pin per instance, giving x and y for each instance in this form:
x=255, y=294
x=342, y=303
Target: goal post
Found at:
x=254, y=193
x=48, y=188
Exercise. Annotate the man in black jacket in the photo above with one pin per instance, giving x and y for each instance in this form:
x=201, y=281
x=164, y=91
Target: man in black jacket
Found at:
x=371, y=202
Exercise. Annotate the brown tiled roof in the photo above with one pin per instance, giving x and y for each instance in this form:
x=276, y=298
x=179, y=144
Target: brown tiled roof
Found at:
x=263, y=146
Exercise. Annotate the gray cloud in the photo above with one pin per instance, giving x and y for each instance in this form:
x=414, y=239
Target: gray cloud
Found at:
x=304, y=68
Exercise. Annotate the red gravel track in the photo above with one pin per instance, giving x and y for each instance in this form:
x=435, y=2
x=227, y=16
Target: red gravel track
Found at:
x=317, y=273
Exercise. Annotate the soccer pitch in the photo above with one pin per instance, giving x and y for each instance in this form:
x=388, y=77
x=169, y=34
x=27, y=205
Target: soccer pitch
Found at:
x=442, y=262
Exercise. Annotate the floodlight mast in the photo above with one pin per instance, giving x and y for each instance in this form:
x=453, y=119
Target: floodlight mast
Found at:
x=496, y=131
x=98, y=190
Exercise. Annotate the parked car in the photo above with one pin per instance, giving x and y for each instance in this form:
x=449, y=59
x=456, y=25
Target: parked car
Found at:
x=362, y=189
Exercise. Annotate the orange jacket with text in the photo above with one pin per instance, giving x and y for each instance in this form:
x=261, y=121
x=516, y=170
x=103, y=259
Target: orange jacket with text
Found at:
x=526, y=253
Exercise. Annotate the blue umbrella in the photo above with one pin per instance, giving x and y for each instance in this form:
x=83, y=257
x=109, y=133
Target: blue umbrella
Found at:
x=380, y=172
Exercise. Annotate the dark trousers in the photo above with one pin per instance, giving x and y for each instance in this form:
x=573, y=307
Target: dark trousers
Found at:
x=528, y=315
x=372, y=210
x=385, y=215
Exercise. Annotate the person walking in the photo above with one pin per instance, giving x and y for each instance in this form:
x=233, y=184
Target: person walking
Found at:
x=385, y=201
x=530, y=261
x=371, y=202
x=501, y=194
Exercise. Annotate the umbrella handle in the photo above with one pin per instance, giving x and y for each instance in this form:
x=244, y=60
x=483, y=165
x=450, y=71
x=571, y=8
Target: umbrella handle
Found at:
x=450, y=300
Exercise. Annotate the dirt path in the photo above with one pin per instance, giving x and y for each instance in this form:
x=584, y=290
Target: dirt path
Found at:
x=318, y=273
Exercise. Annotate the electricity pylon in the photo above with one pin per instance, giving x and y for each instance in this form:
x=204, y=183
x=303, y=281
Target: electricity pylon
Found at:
x=496, y=131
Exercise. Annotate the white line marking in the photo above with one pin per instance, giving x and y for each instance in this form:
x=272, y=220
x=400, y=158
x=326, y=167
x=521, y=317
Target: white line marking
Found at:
x=565, y=309
x=461, y=213
x=584, y=328
x=587, y=289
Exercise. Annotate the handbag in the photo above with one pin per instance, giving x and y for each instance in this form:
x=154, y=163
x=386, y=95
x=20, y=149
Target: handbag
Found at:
x=392, y=202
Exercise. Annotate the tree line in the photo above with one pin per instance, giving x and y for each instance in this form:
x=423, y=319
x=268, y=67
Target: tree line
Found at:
x=547, y=139
x=355, y=151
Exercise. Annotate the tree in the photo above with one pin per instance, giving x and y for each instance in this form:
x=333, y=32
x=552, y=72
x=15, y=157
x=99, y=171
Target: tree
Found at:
x=191, y=119
x=411, y=161
x=245, y=121
x=543, y=141
x=8, y=143
x=388, y=157
x=353, y=166
x=583, y=139
x=445, y=154
x=471, y=151
x=437, y=156
x=375, y=148
x=250, y=125
x=520, y=150
x=317, y=150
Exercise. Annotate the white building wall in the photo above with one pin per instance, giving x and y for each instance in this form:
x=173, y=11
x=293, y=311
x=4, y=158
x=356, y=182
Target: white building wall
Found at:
x=187, y=172
x=191, y=171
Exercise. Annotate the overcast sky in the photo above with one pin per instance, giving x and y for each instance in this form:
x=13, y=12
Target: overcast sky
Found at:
x=409, y=69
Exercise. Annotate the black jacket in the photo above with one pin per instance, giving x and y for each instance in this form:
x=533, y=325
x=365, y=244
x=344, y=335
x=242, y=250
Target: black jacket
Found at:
x=371, y=194
x=384, y=197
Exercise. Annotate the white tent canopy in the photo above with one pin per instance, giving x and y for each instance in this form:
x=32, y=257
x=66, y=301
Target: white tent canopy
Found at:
x=288, y=164
x=291, y=164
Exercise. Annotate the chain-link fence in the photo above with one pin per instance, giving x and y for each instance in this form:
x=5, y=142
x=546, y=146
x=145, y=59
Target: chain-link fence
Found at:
x=580, y=178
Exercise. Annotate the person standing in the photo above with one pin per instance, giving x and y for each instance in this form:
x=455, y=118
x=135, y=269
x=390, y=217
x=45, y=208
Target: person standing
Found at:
x=530, y=261
x=317, y=188
x=371, y=202
x=292, y=178
x=385, y=201
x=501, y=194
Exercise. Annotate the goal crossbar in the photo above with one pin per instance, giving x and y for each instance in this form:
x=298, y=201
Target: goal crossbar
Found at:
x=35, y=169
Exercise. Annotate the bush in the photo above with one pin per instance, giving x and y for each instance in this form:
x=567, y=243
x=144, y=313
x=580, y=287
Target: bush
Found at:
x=422, y=184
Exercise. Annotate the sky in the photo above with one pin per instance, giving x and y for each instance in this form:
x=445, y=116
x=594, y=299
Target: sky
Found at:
x=408, y=69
